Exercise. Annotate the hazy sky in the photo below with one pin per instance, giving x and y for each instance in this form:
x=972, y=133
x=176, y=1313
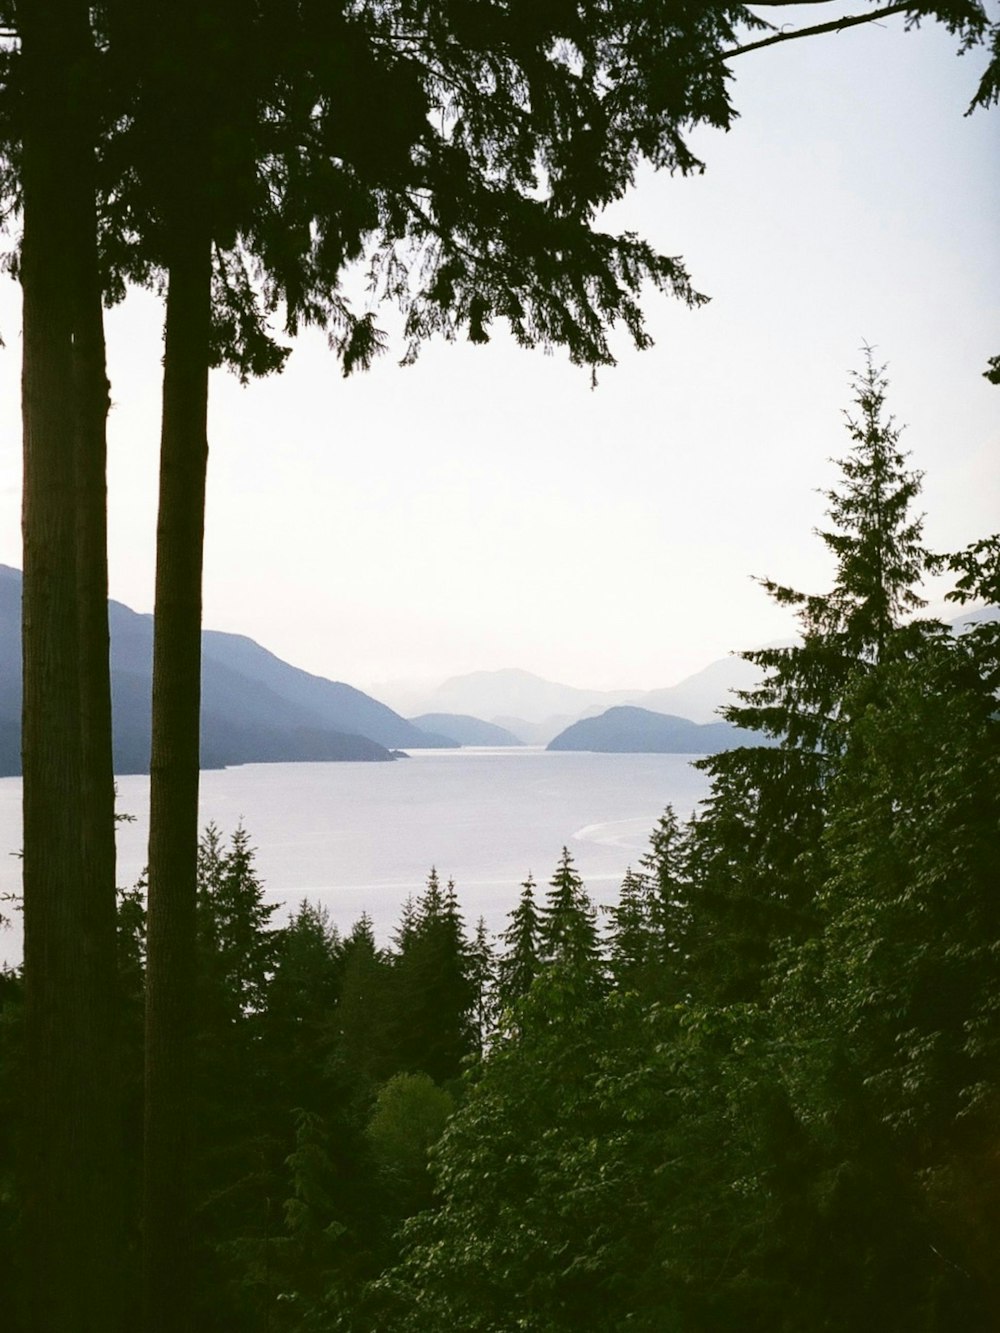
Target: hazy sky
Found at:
x=486, y=508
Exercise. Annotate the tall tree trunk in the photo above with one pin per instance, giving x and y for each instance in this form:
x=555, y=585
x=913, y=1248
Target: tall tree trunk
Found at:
x=174, y=770
x=72, y=1145
x=97, y=782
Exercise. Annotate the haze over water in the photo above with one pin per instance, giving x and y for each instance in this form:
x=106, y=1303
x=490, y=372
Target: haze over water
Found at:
x=361, y=837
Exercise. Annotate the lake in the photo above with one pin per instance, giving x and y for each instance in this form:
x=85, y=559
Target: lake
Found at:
x=360, y=837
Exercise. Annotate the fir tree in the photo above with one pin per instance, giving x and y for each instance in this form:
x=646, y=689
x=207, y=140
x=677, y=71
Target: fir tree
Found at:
x=880, y=559
x=364, y=1021
x=520, y=958
x=568, y=923
x=482, y=976
x=302, y=997
x=758, y=844
x=631, y=939
x=238, y=944
x=434, y=992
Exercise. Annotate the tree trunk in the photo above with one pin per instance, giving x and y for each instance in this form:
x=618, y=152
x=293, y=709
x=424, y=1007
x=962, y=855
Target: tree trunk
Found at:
x=70, y=1162
x=174, y=770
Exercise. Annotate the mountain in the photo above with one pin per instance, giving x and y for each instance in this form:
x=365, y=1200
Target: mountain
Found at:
x=335, y=704
x=700, y=696
x=536, y=733
x=255, y=707
x=629, y=730
x=537, y=710
x=515, y=694
x=466, y=730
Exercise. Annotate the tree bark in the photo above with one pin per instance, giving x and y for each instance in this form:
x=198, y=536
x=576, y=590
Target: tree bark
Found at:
x=71, y=1158
x=174, y=772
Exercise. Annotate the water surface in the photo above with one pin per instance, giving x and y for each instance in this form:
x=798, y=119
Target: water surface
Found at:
x=361, y=837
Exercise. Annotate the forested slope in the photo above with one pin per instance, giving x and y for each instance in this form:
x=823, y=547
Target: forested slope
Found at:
x=758, y=1093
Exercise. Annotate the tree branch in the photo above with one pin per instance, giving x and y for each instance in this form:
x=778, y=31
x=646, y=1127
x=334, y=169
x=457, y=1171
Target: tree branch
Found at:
x=835, y=25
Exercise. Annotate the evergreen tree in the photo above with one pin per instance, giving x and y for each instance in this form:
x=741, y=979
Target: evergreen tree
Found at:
x=880, y=559
x=231, y=1097
x=520, y=960
x=665, y=867
x=72, y=1173
x=365, y=1042
x=568, y=934
x=300, y=1019
x=649, y=925
x=482, y=977
x=434, y=993
x=404, y=933
x=758, y=845
x=306, y=965
x=292, y=142
x=802, y=1136
x=631, y=940
x=299, y=1275
x=237, y=941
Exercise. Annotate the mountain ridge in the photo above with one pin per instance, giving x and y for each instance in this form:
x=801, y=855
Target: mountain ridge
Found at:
x=255, y=707
x=627, y=729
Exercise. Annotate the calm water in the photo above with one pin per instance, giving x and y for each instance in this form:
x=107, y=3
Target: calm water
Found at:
x=360, y=837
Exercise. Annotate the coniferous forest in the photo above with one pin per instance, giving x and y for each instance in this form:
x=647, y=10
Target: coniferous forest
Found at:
x=758, y=1092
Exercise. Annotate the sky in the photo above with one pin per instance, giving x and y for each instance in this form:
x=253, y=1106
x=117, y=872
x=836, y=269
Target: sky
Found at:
x=486, y=508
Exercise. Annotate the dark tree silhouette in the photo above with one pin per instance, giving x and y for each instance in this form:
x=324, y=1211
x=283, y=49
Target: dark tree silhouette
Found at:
x=71, y=1166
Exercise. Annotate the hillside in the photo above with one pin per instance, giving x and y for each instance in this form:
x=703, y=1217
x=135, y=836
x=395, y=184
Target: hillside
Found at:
x=255, y=707
x=629, y=730
x=332, y=703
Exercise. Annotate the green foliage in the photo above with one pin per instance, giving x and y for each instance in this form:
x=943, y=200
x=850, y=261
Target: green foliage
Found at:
x=520, y=959
x=880, y=559
x=434, y=991
x=567, y=927
x=409, y=1117
x=765, y=1100
x=236, y=942
x=648, y=940
x=778, y=1111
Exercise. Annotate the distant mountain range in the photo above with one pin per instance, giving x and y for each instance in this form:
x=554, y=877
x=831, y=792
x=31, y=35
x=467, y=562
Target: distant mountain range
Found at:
x=466, y=730
x=515, y=694
x=255, y=707
x=626, y=729
x=536, y=710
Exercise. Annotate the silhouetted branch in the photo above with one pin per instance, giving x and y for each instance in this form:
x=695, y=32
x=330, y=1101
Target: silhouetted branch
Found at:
x=835, y=25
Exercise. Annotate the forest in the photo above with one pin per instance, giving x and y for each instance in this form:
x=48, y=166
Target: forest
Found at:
x=758, y=1092
x=762, y=1096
